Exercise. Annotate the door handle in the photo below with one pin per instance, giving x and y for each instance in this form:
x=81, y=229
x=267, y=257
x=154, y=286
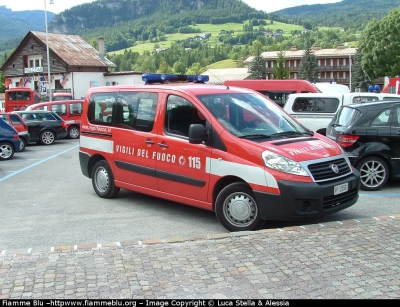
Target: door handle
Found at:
x=148, y=142
x=163, y=145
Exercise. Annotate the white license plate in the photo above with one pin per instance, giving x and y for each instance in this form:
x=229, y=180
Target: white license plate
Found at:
x=341, y=188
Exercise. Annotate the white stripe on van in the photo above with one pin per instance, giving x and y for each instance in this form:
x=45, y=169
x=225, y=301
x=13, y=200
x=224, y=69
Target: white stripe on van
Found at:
x=251, y=174
x=97, y=144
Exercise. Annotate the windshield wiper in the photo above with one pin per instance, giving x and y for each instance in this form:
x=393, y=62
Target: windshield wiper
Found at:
x=292, y=133
x=254, y=136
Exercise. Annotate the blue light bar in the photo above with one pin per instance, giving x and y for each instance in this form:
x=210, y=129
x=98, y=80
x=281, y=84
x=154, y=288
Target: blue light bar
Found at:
x=170, y=78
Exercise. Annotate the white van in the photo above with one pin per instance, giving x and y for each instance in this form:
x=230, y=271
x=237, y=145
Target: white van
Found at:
x=316, y=110
x=332, y=88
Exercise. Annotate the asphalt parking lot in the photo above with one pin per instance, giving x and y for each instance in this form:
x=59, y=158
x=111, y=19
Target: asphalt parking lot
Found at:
x=58, y=240
x=47, y=202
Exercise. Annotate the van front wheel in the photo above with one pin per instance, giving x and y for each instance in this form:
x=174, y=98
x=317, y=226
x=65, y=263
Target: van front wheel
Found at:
x=103, y=180
x=236, y=208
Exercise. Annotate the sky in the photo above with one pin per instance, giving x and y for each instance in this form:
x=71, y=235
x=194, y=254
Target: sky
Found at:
x=62, y=5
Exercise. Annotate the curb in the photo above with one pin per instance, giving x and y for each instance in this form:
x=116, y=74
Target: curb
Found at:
x=346, y=224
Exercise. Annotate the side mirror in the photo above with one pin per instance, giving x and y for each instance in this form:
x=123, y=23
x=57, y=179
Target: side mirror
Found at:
x=196, y=133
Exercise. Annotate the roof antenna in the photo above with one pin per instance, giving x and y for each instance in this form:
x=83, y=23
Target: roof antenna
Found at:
x=222, y=83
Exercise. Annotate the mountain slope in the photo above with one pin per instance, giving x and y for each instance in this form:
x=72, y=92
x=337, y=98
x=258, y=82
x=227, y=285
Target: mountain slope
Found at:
x=105, y=13
x=17, y=24
x=347, y=13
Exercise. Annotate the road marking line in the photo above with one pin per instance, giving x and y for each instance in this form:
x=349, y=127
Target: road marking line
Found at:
x=37, y=163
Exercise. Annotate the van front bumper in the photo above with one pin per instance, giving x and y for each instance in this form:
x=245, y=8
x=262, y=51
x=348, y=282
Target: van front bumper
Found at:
x=299, y=200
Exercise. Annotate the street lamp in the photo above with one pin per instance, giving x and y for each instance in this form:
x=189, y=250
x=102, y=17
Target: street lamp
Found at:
x=47, y=46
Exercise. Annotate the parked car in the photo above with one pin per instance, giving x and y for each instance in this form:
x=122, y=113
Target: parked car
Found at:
x=19, y=124
x=369, y=133
x=58, y=96
x=316, y=110
x=44, y=126
x=69, y=110
x=9, y=141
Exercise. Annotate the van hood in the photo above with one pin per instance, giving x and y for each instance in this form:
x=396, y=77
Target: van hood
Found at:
x=301, y=149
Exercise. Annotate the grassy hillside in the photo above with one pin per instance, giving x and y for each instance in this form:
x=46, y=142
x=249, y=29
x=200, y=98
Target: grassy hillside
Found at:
x=215, y=30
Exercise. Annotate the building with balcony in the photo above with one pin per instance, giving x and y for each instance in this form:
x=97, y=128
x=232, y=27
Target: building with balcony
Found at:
x=334, y=64
x=75, y=65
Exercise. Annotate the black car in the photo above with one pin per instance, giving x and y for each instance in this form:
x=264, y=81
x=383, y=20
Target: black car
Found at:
x=44, y=127
x=369, y=133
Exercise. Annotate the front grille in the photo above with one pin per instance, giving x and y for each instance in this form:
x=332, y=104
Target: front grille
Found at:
x=323, y=171
x=337, y=200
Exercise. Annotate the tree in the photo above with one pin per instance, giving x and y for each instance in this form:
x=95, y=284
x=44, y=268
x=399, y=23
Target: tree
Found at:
x=2, y=78
x=359, y=77
x=280, y=71
x=258, y=69
x=308, y=68
x=379, y=44
x=179, y=67
x=165, y=68
x=195, y=69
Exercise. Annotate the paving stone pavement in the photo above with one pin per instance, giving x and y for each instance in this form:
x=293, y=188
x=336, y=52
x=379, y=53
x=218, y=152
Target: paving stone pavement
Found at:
x=354, y=259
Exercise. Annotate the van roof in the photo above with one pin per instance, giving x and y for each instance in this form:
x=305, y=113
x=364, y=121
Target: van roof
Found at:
x=196, y=89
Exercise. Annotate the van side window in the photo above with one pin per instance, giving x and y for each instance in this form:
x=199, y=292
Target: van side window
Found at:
x=129, y=110
x=75, y=108
x=60, y=109
x=316, y=105
x=180, y=114
x=326, y=105
x=303, y=105
x=361, y=99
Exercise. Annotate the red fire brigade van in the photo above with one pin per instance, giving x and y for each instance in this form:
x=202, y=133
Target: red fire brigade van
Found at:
x=18, y=98
x=277, y=90
x=225, y=149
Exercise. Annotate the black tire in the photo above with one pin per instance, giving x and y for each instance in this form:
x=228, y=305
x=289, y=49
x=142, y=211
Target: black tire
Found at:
x=73, y=132
x=237, y=209
x=374, y=173
x=6, y=151
x=103, y=180
x=23, y=144
x=47, y=137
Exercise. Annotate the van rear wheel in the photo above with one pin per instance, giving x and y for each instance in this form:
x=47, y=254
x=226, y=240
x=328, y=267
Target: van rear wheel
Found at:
x=73, y=132
x=103, y=180
x=237, y=209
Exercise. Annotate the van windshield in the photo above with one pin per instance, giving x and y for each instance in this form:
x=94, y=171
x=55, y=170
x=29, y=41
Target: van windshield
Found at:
x=251, y=116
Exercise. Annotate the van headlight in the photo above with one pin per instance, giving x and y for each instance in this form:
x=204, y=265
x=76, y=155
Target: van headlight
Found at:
x=282, y=164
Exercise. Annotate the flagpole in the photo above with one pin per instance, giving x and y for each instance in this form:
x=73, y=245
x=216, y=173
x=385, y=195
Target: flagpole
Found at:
x=47, y=50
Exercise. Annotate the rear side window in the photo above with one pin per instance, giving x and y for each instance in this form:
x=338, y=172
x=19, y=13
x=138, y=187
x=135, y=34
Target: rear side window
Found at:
x=315, y=105
x=361, y=99
x=382, y=119
x=391, y=98
x=30, y=116
x=346, y=116
x=48, y=116
x=43, y=108
x=279, y=97
x=129, y=110
x=15, y=119
x=4, y=117
x=59, y=109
